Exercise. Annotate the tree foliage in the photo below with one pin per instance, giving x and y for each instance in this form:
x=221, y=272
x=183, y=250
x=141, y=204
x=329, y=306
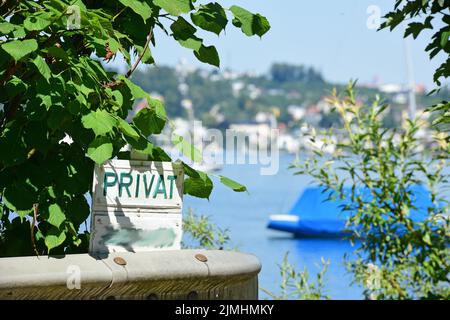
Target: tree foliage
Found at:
x=398, y=256
x=300, y=285
x=201, y=232
x=54, y=85
x=420, y=16
x=282, y=72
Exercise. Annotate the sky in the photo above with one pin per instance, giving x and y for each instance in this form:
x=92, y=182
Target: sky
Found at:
x=330, y=35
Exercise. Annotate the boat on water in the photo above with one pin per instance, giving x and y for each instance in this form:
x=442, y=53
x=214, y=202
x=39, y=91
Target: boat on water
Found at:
x=314, y=216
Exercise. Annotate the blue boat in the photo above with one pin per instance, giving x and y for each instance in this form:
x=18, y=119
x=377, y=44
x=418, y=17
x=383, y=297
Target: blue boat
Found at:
x=315, y=216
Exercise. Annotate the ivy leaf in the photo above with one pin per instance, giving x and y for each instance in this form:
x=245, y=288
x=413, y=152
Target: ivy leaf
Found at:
x=20, y=48
x=100, y=121
x=249, y=23
x=56, y=215
x=54, y=238
x=43, y=67
x=210, y=17
x=208, y=55
x=139, y=7
x=100, y=150
x=200, y=186
x=174, y=7
x=232, y=184
x=186, y=148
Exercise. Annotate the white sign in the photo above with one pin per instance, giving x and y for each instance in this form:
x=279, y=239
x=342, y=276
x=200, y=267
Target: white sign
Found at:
x=136, y=206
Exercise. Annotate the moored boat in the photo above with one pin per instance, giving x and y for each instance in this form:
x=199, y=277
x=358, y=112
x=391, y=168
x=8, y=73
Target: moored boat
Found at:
x=313, y=215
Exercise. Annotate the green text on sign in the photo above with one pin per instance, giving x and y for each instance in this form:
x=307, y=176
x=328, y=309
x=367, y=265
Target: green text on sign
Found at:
x=136, y=186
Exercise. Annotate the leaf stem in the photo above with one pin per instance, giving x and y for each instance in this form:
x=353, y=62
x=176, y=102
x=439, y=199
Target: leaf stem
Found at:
x=119, y=13
x=136, y=63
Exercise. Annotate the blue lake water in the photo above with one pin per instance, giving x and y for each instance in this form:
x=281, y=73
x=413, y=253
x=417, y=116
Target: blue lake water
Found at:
x=246, y=215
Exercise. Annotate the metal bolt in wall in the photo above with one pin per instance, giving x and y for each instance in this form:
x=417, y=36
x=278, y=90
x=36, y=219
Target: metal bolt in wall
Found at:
x=200, y=257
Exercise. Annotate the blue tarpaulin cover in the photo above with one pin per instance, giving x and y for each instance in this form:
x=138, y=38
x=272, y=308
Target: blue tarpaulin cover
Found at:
x=319, y=217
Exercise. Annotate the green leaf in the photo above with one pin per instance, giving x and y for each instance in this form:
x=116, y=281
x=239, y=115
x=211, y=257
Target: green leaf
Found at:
x=43, y=67
x=37, y=22
x=15, y=86
x=210, y=17
x=6, y=28
x=208, y=55
x=191, y=172
x=56, y=215
x=117, y=99
x=184, y=33
x=136, y=91
x=100, y=121
x=54, y=238
x=193, y=43
x=19, y=198
x=200, y=187
x=251, y=24
x=232, y=184
x=182, y=29
x=19, y=49
x=58, y=53
x=12, y=149
x=139, y=7
x=426, y=238
x=175, y=7
x=100, y=150
x=186, y=148
x=444, y=38
x=142, y=146
x=127, y=129
x=152, y=119
x=78, y=210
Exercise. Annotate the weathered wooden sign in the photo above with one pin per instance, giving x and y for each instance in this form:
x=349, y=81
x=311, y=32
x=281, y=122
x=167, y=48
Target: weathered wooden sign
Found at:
x=136, y=206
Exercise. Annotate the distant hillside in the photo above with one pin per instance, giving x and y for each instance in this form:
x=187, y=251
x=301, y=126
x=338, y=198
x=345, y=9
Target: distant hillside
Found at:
x=220, y=98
